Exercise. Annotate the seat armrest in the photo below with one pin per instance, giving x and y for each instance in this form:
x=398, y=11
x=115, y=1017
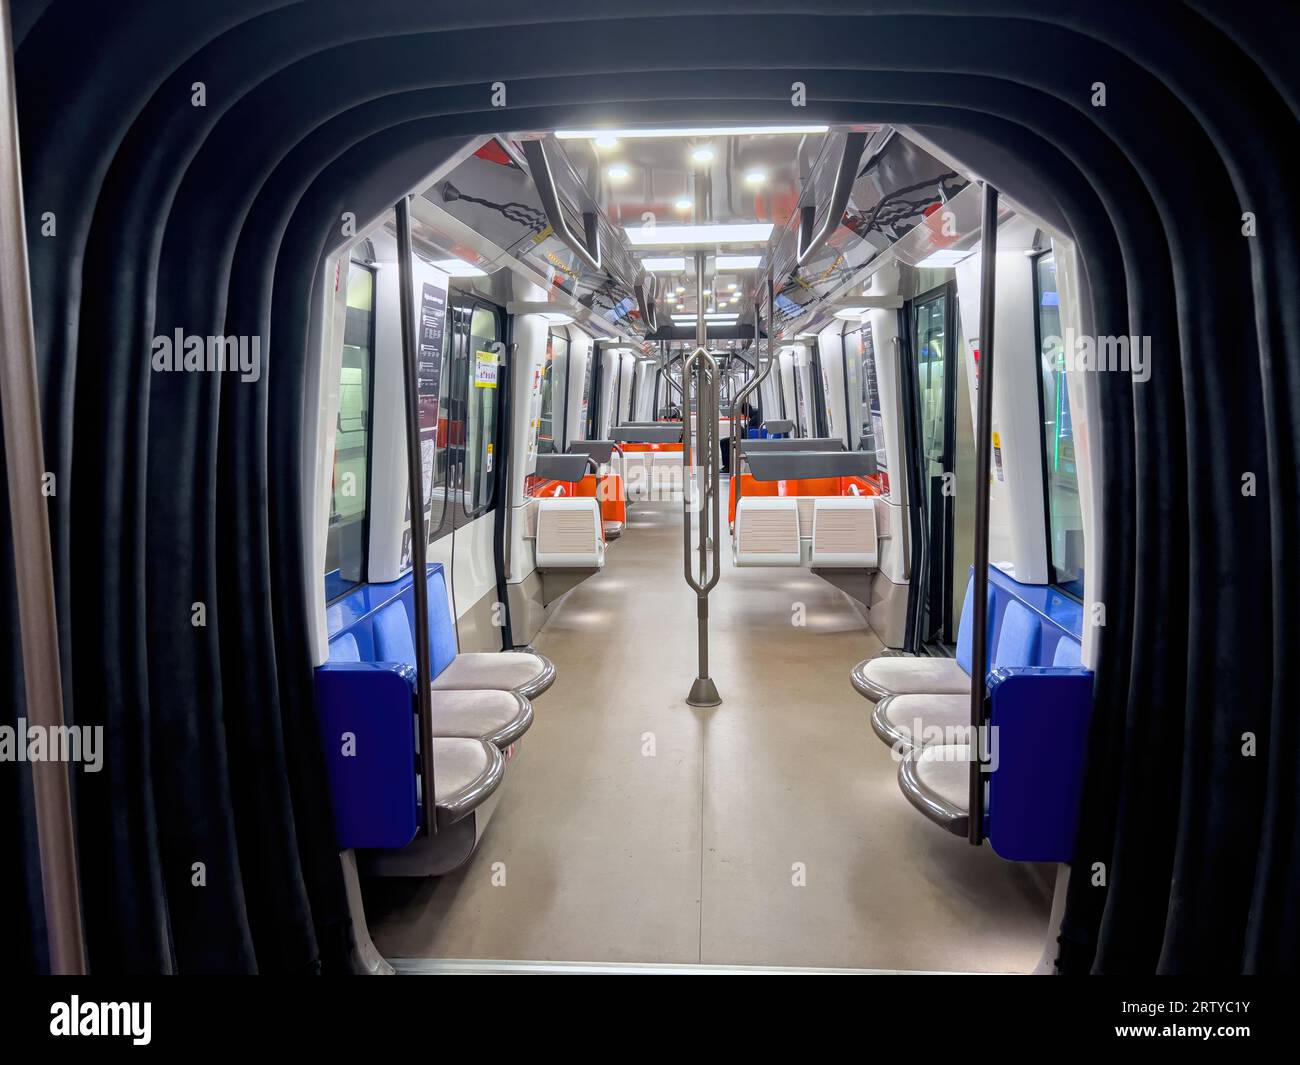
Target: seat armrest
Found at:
x=366, y=712
x=1037, y=746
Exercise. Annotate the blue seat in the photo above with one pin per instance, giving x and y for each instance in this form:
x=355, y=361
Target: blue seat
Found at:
x=525, y=673
x=366, y=700
x=1038, y=706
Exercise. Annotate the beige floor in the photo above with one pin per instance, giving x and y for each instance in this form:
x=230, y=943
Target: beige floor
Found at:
x=634, y=828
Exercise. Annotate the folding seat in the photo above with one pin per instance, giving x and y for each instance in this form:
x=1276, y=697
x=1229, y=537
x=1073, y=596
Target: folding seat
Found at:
x=878, y=678
x=497, y=716
x=912, y=719
x=525, y=673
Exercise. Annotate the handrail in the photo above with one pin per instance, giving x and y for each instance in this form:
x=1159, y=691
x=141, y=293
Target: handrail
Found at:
x=805, y=248
x=37, y=623
x=645, y=288
x=754, y=382
x=419, y=533
x=983, y=463
x=539, y=163
x=706, y=453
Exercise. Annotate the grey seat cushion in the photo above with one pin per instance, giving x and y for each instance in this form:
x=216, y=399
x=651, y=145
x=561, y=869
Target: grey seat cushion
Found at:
x=907, y=721
x=936, y=780
x=877, y=678
x=465, y=772
x=523, y=672
x=500, y=717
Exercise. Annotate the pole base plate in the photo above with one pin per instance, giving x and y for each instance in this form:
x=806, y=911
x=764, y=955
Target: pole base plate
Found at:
x=704, y=693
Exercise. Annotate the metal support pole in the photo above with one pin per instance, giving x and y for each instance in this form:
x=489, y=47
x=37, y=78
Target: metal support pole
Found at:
x=419, y=533
x=983, y=465
x=703, y=443
x=33, y=564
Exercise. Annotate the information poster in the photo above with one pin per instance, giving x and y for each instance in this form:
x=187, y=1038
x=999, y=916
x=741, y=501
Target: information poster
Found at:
x=428, y=372
x=433, y=318
x=486, y=365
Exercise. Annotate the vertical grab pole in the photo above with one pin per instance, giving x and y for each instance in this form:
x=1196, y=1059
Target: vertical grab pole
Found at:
x=983, y=464
x=419, y=534
x=703, y=370
x=33, y=564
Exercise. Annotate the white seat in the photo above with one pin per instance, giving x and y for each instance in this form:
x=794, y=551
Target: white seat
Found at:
x=499, y=717
x=465, y=772
x=877, y=678
x=907, y=721
x=522, y=672
x=936, y=780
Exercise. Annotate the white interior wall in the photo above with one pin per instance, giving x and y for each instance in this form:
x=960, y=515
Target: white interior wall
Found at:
x=894, y=561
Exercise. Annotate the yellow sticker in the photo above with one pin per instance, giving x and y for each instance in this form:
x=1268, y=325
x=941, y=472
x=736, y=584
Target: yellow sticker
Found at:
x=485, y=369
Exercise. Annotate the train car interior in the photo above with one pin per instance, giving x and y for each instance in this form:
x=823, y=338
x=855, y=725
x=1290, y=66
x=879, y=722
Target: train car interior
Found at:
x=832, y=512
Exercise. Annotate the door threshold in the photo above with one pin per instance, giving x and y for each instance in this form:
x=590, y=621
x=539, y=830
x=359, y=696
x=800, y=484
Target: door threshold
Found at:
x=495, y=967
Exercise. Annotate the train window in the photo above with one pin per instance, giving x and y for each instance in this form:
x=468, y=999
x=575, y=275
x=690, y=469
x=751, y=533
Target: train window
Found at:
x=486, y=358
x=345, y=544
x=437, y=479
x=1064, y=514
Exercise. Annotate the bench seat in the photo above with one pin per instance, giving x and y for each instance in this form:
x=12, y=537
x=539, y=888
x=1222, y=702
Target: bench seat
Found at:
x=907, y=721
x=936, y=780
x=466, y=771
x=498, y=717
x=880, y=678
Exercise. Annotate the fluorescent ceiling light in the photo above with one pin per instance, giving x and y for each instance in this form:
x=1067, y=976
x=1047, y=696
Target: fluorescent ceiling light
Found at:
x=732, y=287
x=945, y=257
x=689, y=131
x=735, y=233
x=670, y=263
x=755, y=177
x=684, y=204
x=557, y=317
x=703, y=154
x=606, y=140
x=617, y=172
x=851, y=313
x=738, y=262
x=458, y=268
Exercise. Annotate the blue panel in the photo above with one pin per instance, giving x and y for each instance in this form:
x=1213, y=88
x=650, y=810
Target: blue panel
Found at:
x=1018, y=637
x=1037, y=744
x=442, y=629
x=393, y=642
x=344, y=649
x=367, y=732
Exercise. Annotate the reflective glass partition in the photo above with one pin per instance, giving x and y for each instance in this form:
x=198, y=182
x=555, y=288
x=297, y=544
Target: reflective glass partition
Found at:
x=486, y=365
x=345, y=545
x=550, y=427
x=1064, y=514
x=865, y=427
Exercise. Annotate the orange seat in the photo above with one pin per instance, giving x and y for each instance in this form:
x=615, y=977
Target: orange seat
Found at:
x=749, y=486
x=811, y=486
